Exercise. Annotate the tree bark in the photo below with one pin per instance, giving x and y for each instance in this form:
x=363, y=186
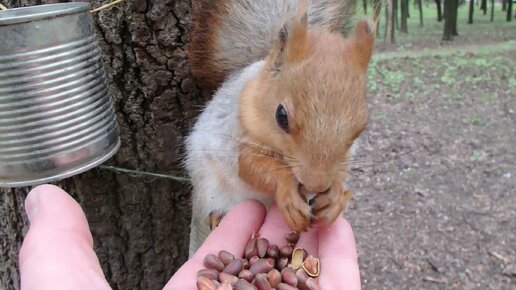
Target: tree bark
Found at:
x=509, y=11
x=492, y=10
x=450, y=19
x=439, y=11
x=455, y=11
x=471, y=10
x=447, y=23
x=140, y=224
x=483, y=6
x=420, y=6
x=394, y=19
x=395, y=13
x=388, y=21
x=404, y=15
x=377, y=10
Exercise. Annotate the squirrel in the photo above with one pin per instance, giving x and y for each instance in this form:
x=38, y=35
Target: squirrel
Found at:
x=288, y=108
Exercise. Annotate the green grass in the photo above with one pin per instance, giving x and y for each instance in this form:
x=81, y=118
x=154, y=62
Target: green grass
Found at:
x=432, y=30
x=449, y=75
x=486, y=98
x=480, y=76
x=477, y=156
x=478, y=67
x=477, y=121
x=512, y=83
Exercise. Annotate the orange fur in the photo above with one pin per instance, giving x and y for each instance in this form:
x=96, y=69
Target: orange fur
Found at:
x=268, y=173
x=320, y=79
x=209, y=15
x=228, y=35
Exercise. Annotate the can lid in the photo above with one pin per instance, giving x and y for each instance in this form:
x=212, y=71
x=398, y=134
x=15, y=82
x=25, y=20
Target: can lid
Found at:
x=40, y=12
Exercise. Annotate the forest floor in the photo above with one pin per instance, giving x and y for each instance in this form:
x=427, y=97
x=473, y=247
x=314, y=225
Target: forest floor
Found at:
x=434, y=201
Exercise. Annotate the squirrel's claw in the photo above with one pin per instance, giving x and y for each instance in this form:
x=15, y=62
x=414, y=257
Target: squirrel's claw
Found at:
x=214, y=220
x=327, y=207
x=295, y=210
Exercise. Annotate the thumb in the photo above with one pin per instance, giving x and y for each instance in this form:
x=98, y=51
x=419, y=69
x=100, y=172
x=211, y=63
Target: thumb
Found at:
x=57, y=252
x=338, y=257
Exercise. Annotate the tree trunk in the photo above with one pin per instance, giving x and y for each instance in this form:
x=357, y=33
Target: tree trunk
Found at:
x=420, y=6
x=509, y=11
x=439, y=11
x=404, y=11
x=395, y=13
x=408, y=10
x=471, y=9
x=389, y=21
x=504, y=5
x=364, y=3
x=394, y=20
x=492, y=10
x=455, y=11
x=450, y=15
x=377, y=10
x=483, y=6
x=13, y=224
x=140, y=223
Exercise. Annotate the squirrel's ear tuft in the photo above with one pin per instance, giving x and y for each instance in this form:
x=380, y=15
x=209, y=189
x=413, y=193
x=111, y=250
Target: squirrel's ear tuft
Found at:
x=291, y=44
x=363, y=43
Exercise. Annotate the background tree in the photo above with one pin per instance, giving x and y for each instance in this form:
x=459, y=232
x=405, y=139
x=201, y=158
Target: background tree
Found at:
x=439, y=10
x=450, y=19
x=483, y=6
x=471, y=9
x=389, y=21
x=420, y=6
x=395, y=13
x=509, y=10
x=378, y=8
x=492, y=10
x=140, y=223
x=404, y=15
x=455, y=12
x=504, y=5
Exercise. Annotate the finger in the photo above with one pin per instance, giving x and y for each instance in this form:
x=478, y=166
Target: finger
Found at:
x=231, y=235
x=275, y=227
x=57, y=252
x=338, y=257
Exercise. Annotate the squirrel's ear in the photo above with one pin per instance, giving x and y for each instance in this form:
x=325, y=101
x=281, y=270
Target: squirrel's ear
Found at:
x=291, y=44
x=363, y=43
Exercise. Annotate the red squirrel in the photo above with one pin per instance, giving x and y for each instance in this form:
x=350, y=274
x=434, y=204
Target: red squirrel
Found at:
x=288, y=107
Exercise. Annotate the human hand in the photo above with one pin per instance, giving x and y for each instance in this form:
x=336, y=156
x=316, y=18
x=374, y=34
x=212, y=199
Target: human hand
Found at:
x=57, y=222
x=57, y=252
x=334, y=245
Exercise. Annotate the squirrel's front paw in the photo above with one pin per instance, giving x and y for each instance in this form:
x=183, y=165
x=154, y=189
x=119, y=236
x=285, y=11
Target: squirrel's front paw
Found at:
x=327, y=207
x=295, y=209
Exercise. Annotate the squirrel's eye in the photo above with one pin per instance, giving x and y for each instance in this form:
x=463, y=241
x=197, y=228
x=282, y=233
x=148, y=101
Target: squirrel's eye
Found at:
x=281, y=118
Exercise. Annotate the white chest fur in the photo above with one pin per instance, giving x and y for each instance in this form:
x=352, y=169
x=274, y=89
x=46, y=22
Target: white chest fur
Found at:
x=212, y=157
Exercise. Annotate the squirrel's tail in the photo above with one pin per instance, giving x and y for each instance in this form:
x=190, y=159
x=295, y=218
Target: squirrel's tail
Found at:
x=228, y=35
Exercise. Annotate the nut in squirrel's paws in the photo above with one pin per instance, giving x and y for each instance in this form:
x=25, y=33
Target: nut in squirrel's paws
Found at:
x=327, y=207
x=295, y=209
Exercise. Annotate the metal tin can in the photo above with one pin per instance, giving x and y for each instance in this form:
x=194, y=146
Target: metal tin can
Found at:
x=56, y=114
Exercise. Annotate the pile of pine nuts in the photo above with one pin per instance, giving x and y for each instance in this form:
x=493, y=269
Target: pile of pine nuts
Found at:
x=264, y=267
